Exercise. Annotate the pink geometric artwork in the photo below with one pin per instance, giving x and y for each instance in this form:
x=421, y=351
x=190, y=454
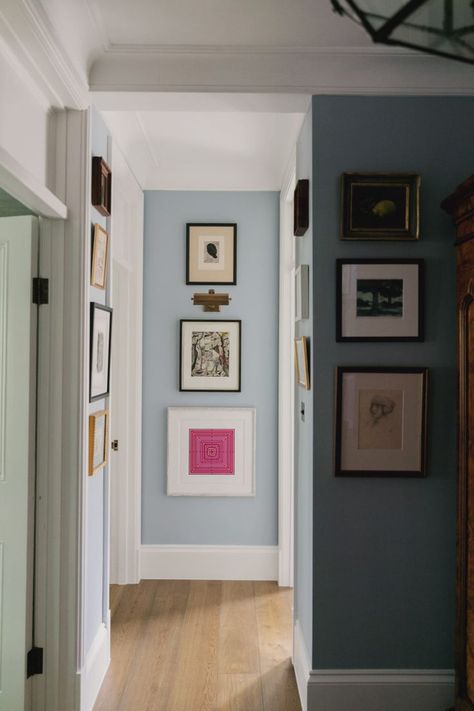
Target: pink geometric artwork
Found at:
x=211, y=452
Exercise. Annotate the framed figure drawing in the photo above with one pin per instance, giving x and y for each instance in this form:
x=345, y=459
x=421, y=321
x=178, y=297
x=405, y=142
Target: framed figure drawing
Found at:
x=210, y=355
x=379, y=300
x=211, y=253
x=211, y=451
x=381, y=421
x=100, y=342
x=301, y=362
x=100, y=246
x=98, y=441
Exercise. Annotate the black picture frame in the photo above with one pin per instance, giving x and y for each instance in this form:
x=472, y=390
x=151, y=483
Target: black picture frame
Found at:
x=192, y=229
x=301, y=208
x=341, y=263
x=421, y=471
x=184, y=342
x=94, y=308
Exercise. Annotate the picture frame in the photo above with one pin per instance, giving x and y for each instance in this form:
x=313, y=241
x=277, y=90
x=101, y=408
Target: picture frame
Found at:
x=210, y=355
x=211, y=451
x=380, y=206
x=211, y=253
x=101, y=186
x=99, y=261
x=301, y=208
x=302, y=292
x=379, y=300
x=381, y=421
x=302, y=362
x=98, y=441
x=100, y=347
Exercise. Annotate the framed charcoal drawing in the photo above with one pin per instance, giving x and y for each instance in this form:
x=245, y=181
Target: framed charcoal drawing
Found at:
x=98, y=441
x=211, y=451
x=100, y=343
x=100, y=248
x=302, y=362
x=381, y=421
x=302, y=292
x=211, y=253
x=380, y=206
x=210, y=355
x=379, y=300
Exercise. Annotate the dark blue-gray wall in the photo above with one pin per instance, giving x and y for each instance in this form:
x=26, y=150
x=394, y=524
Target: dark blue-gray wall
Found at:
x=384, y=549
x=200, y=520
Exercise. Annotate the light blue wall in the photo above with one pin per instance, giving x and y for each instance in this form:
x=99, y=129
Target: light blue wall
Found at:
x=384, y=549
x=191, y=520
x=304, y=430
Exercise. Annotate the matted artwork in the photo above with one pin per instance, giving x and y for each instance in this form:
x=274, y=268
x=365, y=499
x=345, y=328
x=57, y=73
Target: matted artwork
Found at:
x=302, y=292
x=99, y=257
x=98, y=433
x=100, y=342
x=302, y=362
x=211, y=451
x=379, y=300
x=210, y=355
x=211, y=253
x=381, y=421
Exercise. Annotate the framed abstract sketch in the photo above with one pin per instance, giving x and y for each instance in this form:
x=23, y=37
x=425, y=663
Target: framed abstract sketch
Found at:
x=379, y=300
x=378, y=206
x=302, y=292
x=100, y=246
x=211, y=253
x=301, y=361
x=211, y=451
x=381, y=421
x=100, y=342
x=210, y=355
x=98, y=441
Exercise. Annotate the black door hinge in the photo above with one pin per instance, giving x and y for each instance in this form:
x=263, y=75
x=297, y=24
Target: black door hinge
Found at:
x=34, y=662
x=40, y=291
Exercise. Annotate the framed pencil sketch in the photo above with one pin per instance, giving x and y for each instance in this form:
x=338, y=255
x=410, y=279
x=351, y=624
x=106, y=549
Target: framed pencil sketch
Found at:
x=98, y=441
x=381, y=421
x=302, y=292
x=100, y=248
x=211, y=451
x=380, y=206
x=100, y=342
x=210, y=355
x=301, y=362
x=379, y=300
x=211, y=253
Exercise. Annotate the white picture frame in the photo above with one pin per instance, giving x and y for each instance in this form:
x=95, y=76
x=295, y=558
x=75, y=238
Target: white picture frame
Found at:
x=211, y=451
x=302, y=292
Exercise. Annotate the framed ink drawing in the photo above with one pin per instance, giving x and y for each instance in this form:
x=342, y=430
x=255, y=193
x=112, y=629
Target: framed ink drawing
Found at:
x=210, y=355
x=379, y=300
x=98, y=441
x=301, y=362
x=381, y=421
x=302, y=292
x=100, y=246
x=211, y=451
x=378, y=206
x=211, y=253
x=100, y=342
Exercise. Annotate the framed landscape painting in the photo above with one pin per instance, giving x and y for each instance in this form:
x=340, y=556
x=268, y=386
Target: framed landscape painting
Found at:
x=211, y=253
x=211, y=451
x=210, y=355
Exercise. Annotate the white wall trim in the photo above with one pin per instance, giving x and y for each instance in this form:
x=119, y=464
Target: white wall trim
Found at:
x=95, y=667
x=181, y=562
x=301, y=665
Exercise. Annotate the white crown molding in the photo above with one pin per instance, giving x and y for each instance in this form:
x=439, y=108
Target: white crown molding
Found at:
x=229, y=49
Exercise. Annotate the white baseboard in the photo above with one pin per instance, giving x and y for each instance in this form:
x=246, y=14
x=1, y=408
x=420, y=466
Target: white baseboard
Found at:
x=95, y=668
x=381, y=690
x=301, y=664
x=176, y=562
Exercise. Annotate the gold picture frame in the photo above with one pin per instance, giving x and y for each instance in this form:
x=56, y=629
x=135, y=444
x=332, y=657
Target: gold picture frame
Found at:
x=98, y=441
x=301, y=362
x=100, y=254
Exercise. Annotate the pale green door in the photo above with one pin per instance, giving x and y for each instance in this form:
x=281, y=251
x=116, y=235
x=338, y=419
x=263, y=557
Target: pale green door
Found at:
x=18, y=316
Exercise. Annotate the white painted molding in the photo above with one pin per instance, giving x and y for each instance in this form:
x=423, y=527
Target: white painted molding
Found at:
x=180, y=562
x=95, y=667
x=301, y=665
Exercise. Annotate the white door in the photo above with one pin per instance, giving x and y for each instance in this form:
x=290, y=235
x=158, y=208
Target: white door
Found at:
x=18, y=264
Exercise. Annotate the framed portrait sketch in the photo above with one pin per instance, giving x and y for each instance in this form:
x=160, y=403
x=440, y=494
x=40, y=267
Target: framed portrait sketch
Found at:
x=100, y=248
x=380, y=206
x=211, y=253
x=100, y=342
x=210, y=355
x=98, y=441
x=301, y=362
x=302, y=292
x=379, y=300
x=211, y=451
x=381, y=421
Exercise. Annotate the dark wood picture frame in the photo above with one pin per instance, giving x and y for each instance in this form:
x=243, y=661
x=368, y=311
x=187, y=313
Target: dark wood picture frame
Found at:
x=181, y=359
x=301, y=208
x=376, y=472
x=380, y=206
x=101, y=186
x=340, y=263
x=94, y=307
x=211, y=280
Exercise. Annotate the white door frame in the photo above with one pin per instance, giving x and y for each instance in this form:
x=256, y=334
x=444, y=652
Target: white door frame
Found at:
x=286, y=395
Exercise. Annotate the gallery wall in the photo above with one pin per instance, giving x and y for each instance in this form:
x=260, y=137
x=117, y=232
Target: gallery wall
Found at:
x=167, y=299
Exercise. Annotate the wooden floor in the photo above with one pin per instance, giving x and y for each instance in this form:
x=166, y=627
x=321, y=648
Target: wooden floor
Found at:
x=200, y=646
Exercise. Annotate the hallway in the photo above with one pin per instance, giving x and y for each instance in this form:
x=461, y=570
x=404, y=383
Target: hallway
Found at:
x=200, y=646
